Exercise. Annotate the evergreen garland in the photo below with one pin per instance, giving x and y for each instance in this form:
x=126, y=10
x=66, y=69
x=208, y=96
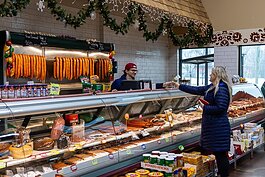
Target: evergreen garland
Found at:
x=194, y=36
x=11, y=8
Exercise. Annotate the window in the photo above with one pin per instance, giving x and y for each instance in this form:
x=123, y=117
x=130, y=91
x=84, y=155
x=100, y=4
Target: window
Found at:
x=252, y=62
x=196, y=64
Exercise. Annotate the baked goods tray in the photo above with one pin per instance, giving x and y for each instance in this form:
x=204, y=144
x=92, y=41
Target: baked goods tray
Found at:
x=132, y=150
x=143, y=146
x=248, y=117
x=89, y=164
x=38, y=155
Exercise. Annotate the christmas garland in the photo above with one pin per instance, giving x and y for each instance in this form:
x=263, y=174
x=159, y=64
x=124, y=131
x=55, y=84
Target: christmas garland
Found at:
x=196, y=35
x=10, y=8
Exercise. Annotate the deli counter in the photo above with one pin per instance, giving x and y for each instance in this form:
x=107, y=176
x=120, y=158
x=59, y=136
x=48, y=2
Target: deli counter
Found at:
x=93, y=135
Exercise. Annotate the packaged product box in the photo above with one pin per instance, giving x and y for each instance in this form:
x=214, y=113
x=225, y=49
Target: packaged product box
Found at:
x=239, y=147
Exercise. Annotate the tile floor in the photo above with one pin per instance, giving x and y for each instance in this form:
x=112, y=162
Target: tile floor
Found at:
x=247, y=167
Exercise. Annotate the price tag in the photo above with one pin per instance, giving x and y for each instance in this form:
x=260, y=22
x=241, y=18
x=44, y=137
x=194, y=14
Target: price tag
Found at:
x=174, y=136
x=167, y=140
x=128, y=151
x=158, y=141
x=73, y=167
x=2, y=164
x=33, y=157
x=111, y=156
x=181, y=147
x=43, y=155
x=60, y=172
x=94, y=162
x=79, y=146
x=72, y=149
x=143, y=146
x=126, y=116
x=54, y=152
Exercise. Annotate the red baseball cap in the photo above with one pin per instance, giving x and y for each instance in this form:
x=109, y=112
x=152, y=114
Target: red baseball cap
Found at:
x=130, y=65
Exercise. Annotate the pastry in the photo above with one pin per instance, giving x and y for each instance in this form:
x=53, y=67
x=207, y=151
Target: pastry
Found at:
x=43, y=144
x=4, y=150
x=83, y=156
x=72, y=160
x=59, y=165
x=110, y=150
x=21, y=152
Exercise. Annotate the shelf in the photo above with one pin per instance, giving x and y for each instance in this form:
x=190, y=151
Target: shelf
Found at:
x=45, y=105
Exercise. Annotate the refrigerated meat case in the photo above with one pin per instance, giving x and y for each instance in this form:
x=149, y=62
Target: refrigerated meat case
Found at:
x=118, y=129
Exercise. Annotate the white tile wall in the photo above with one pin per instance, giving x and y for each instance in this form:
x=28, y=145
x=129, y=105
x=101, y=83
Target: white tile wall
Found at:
x=227, y=57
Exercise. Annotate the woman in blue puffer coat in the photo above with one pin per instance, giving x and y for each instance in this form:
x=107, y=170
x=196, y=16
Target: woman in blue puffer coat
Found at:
x=215, y=130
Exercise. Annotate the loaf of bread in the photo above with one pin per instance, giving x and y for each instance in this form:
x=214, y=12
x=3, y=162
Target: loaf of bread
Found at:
x=59, y=165
x=43, y=144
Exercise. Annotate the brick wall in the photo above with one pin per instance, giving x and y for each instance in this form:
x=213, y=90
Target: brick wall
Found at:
x=156, y=61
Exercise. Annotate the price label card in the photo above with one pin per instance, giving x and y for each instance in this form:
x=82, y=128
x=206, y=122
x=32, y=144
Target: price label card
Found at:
x=143, y=146
x=2, y=164
x=111, y=156
x=43, y=155
x=167, y=140
x=72, y=149
x=181, y=147
x=73, y=167
x=158, y=141
x=94, y=162
x=79, y=146
x=128, y=151
x=54, y=152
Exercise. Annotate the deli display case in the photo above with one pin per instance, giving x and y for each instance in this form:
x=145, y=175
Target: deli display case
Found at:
x=94, y=135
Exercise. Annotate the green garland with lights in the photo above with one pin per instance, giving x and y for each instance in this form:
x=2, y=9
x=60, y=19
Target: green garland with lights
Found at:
x=11, y=8
x=194, y=35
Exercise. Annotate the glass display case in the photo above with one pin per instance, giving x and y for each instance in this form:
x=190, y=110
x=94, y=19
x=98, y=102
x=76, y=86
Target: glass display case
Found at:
x=91, y=135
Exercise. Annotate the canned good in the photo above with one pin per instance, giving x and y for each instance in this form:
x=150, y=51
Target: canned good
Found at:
x=185, y=172
x=132, y=175
x=142, y=172
x=178, y=173
x=153, y=159
x=161, y=160
x=24, y=93
x=171, y=154
x=155, y=152
x=146, y=158
x=168, y=175
x=5, y=92
x=180, y=161
x=17, y=91
x=155, y=174
x=175, y=160
x=169, y=162
x=163, y=153
x=11, y=91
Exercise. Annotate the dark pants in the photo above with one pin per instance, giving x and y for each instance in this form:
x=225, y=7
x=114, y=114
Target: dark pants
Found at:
x=222, y=163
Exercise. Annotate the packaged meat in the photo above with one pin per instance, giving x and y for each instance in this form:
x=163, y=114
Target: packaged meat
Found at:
x=57, y=127
x=43, y=144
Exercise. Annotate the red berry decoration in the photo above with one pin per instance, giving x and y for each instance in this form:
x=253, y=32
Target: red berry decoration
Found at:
x=8, y=43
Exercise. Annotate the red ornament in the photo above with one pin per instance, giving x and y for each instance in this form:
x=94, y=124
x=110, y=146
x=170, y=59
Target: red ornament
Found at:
x=8, y=43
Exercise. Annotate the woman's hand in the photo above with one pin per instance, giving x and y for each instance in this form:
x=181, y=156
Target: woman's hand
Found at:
x=171, y=84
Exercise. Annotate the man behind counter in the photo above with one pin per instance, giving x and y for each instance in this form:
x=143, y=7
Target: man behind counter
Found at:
x=129, y=74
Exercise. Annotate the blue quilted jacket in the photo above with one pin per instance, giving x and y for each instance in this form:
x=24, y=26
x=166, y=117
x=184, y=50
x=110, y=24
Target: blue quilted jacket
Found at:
x=215, y=130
